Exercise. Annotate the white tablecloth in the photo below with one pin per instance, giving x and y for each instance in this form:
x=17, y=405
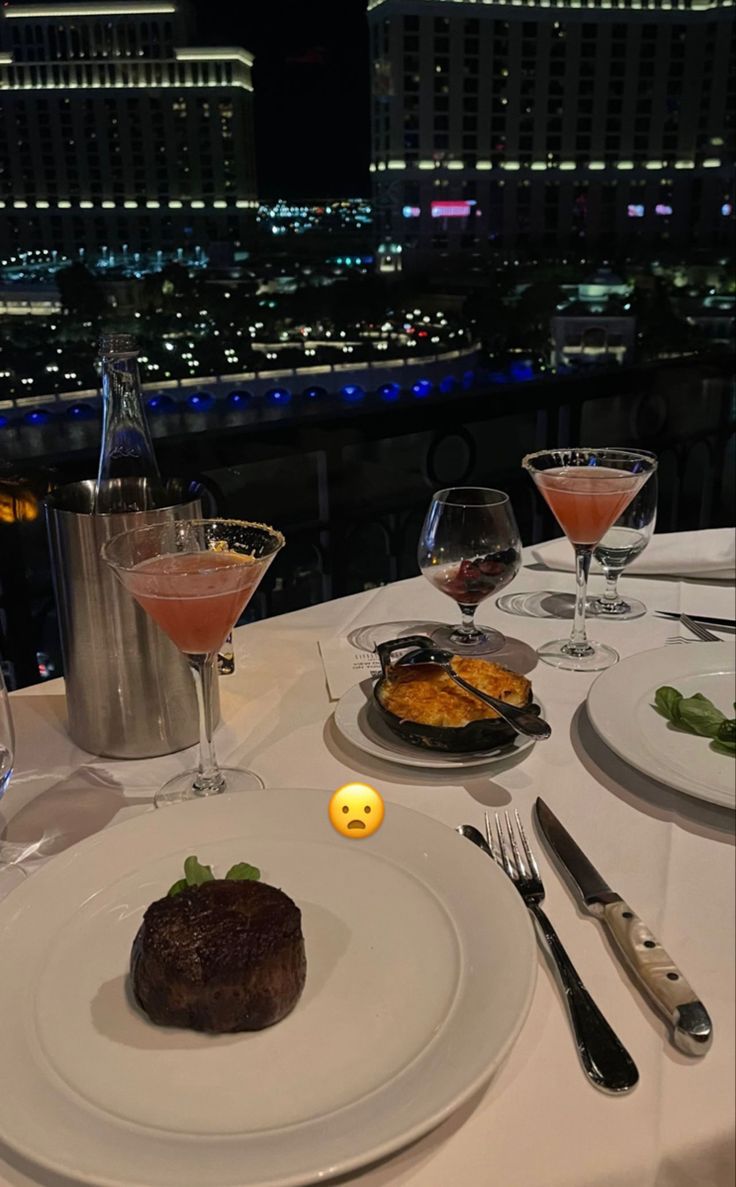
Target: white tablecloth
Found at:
x=538, y=1123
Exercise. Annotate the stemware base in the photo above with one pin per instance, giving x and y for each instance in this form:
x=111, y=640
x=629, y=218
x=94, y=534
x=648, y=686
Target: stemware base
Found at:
x=367, y=638
x=538, y=603
x=561, y=653
x=620, y=611
x=484, y=642
x=182, y=787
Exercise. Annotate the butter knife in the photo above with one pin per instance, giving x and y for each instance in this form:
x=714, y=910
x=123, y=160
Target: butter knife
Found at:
x=653, y=969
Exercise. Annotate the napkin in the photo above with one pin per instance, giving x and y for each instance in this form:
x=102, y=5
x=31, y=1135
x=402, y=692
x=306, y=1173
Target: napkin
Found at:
x=345, y=665
x=708, y=555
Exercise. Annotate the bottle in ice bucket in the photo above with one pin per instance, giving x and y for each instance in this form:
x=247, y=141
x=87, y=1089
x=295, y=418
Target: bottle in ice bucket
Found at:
x=126, y=450
x=129, y=689
x=226, y=657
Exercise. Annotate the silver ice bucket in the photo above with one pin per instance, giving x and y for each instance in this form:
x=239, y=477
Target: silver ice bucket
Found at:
x=129, y=690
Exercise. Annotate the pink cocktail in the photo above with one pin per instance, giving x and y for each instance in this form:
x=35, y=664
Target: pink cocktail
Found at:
x=195, y=597
x=587, y=501
x=194, y=578
x=586, y=490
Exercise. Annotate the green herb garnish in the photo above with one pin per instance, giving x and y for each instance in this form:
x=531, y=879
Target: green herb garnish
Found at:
x=242, y=872
x=697, y=715
x=196, y=874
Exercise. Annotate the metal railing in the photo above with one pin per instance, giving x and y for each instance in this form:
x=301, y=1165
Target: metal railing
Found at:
x=349, y=486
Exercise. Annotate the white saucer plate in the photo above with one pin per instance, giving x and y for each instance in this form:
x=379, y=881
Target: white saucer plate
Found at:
x=360, y=723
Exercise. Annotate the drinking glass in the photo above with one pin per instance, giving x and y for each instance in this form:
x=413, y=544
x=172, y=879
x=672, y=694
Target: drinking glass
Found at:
x=7, y=737
x=586, y=490
x=621, y=544
x=469, y=548
x=195, y=578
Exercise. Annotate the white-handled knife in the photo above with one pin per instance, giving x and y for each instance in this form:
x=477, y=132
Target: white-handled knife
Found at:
x=655, y=971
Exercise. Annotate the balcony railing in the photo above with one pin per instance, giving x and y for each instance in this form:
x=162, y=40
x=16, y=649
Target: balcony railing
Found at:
x=349, y=486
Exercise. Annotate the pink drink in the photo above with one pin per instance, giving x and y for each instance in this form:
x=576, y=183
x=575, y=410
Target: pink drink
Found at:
x=587, y=500
x=196, y=597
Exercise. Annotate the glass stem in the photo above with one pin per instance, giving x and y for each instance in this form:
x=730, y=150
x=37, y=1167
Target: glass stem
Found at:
x=610, y=593
x=209, y=779
x=467, y=630
x=578, y=644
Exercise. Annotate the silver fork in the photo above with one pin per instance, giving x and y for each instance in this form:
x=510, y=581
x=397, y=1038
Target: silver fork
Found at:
x=605, y=1060
x=701, y=632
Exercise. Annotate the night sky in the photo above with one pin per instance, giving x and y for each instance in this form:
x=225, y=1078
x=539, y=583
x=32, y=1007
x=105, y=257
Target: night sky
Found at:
x=311, y=80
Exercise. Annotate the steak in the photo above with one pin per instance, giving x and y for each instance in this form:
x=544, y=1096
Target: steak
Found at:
x=220, y=957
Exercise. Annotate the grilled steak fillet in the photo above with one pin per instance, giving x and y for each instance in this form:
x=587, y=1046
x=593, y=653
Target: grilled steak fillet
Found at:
x=220, y=957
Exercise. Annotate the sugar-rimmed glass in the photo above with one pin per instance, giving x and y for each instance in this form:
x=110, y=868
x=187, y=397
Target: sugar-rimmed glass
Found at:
x=194, y=578
x=586, y=490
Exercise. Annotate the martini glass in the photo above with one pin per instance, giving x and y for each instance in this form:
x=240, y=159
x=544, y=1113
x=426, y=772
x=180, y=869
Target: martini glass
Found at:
x=195, y=578
x=586, y=490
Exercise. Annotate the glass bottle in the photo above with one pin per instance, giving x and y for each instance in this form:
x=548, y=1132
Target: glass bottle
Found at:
x=128, y=477
x=226, y=657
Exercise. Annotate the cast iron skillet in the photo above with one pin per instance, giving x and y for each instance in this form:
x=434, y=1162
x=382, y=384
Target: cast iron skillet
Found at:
x=476, y=736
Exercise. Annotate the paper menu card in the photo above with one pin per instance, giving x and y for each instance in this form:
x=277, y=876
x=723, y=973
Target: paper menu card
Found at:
x=345, y=665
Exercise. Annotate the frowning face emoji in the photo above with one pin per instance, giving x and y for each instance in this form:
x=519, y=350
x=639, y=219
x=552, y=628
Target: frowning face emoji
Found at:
x=356, y=811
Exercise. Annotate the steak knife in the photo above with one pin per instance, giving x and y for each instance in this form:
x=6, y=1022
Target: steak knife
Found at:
x=653, y=969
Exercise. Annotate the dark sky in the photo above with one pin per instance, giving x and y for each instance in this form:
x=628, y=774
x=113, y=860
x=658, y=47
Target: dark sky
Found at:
x=311, y=90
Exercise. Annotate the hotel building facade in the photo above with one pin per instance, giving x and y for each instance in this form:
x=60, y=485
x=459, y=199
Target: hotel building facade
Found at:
x=115, y=131
x=539, y=126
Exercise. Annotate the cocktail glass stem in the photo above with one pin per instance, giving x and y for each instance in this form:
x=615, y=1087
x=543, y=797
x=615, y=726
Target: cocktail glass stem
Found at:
x=578, y=644
x=209, y=779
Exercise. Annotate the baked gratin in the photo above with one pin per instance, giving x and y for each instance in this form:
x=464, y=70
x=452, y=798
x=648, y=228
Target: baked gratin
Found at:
x=425, y=707
x=426, y=694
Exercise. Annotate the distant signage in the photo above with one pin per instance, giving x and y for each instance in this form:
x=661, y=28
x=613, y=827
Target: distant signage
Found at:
x=662, y=208
x=451, y=209
x=411, y=211
x=636, y=212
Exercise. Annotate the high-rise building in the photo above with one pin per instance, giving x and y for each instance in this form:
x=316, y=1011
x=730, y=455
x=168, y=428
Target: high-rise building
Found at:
x=540, y=125
x=115, y=131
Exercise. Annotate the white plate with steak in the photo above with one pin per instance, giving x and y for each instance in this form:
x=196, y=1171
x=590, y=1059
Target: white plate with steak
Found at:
x=420, y=968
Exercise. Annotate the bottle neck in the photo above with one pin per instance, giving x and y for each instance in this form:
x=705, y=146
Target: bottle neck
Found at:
x=127, y=450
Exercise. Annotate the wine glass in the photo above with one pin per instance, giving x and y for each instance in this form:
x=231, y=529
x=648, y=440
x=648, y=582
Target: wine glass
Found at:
x=195, y=577
x=468, y=549
x=7, y=737
x=621, y=544
x=586, y=490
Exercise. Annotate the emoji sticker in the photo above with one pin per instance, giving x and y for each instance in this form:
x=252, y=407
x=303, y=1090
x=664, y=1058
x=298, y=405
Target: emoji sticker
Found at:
x=356, y=811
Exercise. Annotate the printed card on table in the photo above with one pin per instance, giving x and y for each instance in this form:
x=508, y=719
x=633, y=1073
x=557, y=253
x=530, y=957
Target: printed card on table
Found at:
x=345, y=665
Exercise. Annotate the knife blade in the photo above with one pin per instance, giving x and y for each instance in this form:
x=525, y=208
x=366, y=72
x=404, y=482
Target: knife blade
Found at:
x=655, y=971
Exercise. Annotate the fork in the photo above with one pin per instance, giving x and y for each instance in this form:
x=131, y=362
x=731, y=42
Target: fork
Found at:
x=699, y=630
x=605, y=1060
x=702, y=634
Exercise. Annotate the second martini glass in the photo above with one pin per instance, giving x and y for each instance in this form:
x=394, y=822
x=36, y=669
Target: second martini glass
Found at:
x=586, y=490
x=195, y=578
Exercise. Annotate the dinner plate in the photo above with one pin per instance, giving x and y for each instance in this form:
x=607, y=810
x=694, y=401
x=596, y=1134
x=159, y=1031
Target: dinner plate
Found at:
x=621, y=708
x=359, y=722
x=420, y=971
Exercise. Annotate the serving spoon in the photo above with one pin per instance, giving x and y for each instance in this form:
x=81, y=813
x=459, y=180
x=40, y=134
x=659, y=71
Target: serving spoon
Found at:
x=521, y=720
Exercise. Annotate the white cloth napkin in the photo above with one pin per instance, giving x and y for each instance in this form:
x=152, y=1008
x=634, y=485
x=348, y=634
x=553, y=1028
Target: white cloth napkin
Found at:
x=708, y=555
